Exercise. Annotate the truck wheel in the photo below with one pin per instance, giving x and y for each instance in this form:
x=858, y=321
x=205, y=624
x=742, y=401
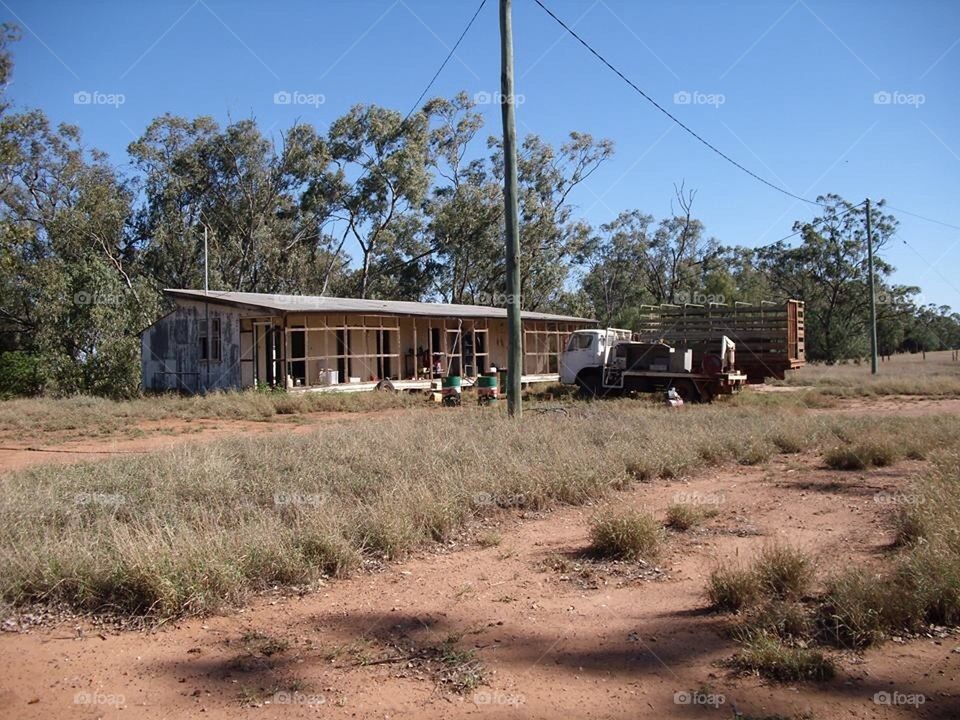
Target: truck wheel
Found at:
x=590, y=385
x=687, y=390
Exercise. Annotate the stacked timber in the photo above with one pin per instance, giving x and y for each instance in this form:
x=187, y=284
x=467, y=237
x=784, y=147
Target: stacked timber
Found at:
x=768, y=337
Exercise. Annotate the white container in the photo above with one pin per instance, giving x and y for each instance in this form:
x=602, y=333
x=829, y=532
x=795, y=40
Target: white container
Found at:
x=354, y=380
x=331, y=377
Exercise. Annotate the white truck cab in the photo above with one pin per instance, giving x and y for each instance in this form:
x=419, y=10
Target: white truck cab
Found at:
x=588, y=348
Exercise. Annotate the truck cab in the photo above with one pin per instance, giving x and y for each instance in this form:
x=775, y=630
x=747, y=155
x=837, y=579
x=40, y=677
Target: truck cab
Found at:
x=588, y=349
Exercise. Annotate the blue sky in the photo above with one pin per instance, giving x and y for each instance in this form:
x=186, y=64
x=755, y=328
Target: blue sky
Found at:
x=787, y=87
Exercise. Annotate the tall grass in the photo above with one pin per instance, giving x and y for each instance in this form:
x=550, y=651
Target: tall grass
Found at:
x=199, y=526
x=83, y=413
x=937, y=375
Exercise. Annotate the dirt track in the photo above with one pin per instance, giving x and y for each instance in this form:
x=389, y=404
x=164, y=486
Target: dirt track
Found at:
x=605, y=643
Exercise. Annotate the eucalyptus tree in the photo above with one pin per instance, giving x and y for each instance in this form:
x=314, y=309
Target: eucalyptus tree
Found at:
x=828, y=271
x=381, y=179
x=68, y=258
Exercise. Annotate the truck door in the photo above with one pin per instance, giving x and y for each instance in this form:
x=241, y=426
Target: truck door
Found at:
x=583, y=350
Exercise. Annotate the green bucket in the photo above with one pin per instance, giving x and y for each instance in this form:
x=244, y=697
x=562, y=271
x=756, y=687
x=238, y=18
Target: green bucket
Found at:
x=487, y=381
x=451, y=381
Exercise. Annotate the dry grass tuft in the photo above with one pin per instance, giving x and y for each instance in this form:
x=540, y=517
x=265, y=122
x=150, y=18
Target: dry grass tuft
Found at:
x=731, y=588
x=783, y=572
x=769, y=657
x=787, y=620
x=625, y=534
x=683, y=516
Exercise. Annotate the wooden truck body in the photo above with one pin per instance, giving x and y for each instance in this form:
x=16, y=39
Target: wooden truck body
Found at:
x=769, y=336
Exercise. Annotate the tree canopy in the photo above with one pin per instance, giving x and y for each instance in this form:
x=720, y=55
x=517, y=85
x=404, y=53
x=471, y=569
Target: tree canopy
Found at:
x=377, y=205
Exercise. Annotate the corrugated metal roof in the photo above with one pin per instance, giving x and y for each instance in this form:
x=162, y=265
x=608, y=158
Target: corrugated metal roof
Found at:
x=316, y=303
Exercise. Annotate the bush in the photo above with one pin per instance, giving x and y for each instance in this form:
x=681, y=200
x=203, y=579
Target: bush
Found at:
x=626, y=535
x=20, y=374
x=853, y=612
x=931, y=573
x=859, y=609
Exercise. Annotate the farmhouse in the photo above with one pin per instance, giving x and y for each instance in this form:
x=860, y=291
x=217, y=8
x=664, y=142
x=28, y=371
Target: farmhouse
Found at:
x=228, y=340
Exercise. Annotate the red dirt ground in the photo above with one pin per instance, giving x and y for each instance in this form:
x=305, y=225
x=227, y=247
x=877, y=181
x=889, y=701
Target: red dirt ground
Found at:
x=553, y=644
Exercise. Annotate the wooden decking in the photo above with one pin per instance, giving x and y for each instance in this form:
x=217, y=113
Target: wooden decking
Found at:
x=416, y=385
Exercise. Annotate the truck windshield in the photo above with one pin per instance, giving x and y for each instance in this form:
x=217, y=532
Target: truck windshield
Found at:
x=580, y=341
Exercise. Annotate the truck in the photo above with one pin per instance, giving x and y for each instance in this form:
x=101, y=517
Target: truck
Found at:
x=613, y=362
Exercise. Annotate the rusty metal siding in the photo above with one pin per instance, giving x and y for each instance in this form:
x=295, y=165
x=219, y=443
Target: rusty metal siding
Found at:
x=170, y=351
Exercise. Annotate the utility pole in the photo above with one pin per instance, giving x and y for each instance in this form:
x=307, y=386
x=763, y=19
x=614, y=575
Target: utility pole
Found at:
x=206, y=265
x=511, y=214
x=873, y=296
x=206, y=304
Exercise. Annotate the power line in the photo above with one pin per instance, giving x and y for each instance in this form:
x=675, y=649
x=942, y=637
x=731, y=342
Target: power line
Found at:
x=453, y=50
x=815, y=221
x=670, y=115
x=889, y=207
x=416, y=105
x=445, y=61
x=929, y=264
x=923, y=217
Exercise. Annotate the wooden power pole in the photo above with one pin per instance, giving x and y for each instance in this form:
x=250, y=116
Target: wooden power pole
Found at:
x=511, y=215
x=873, y=296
